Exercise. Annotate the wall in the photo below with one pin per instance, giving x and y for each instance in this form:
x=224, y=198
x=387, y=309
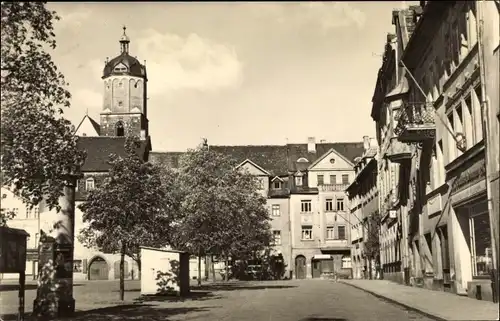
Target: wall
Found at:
x=282, y=223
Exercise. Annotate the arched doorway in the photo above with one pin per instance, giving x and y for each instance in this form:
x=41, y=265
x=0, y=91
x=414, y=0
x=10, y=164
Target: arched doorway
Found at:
x=120, y=130
x=117, y=269
x=98, y=269
x=300, y=267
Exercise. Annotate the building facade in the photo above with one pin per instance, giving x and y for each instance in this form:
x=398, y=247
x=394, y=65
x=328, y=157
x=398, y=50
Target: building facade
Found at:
x=305, y=189
x=448, y=222
x=364, y=204
x=28, y=219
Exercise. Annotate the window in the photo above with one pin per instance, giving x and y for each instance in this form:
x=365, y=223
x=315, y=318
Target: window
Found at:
x=346, y=262
x=329, y=205
x=340, y=204
x=261, y=183
x=333, y=179
x=451, y=145
x=345, y=179
x=458, y=115
x=306, y=232
x=36, y=212
x=341, y=232
x=277, y=237
x=298, y=180
x=28, y=212
x=37, y=238
x=120, y=130
x=477, y=113
x=305, y=206
x=275, y=210
x=89, y=184
x=77, y=266
x=330, y=233
x=321, y=180
x=277, y=184
x=440, y=163
x=468, y=121
x=480, y=239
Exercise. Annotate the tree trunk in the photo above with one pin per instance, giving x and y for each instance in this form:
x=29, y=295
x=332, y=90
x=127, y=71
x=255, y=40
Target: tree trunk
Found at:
x=205, y=269
x=199, y=269
x=139, y=267
x=122, y=273
x=369, y=268
x=226, y=268
x=212, y=266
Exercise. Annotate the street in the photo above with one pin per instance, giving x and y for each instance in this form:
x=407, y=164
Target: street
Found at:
x=300, y=300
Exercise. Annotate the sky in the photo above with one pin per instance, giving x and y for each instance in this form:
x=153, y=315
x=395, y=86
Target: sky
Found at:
x=234, y=73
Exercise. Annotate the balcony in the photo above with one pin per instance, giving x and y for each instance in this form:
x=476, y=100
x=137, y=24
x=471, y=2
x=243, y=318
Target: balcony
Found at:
x=398, y=151
x=329, y=245
x=333, y=187
x=416, y=123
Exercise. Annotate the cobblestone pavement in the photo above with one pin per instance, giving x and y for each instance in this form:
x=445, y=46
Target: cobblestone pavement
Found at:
x=438, y=304
x=296, y=300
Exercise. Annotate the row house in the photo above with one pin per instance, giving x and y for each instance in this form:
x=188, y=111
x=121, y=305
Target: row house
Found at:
x=305, y=189
x=364, y=209
x=446, y=193
x=26, y=218
x=394, y=155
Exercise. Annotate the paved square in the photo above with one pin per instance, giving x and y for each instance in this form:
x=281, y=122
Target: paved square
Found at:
x=296, y=300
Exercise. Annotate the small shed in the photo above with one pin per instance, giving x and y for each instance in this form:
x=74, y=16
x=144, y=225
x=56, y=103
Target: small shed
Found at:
x=12, y=250
x=13, y=259
x=164, y=271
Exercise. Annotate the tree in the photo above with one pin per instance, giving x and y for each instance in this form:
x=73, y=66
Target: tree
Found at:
x=130, y=209
x=220, y=209
x=372, y=242
x=5, y=216
x=38, y=146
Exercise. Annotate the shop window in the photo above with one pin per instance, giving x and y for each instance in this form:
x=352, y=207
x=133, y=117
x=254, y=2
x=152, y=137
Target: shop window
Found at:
x=480, y=239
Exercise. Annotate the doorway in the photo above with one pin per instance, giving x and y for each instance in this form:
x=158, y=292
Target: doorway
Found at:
x=98, y=269
x=300, y=267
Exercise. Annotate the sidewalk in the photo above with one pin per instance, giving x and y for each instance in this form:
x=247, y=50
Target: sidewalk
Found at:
x=435, y=304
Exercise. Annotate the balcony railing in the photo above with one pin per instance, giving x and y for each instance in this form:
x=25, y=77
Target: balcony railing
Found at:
x=416, y=123
x=333, y=187
x=398, y=151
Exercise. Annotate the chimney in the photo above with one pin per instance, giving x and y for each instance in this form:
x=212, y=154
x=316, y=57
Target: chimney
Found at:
x=311, y=145
x=366, y=142
x=143, y=134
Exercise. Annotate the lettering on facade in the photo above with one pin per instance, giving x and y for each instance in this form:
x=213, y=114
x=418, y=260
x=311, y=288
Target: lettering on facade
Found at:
x=470, y=176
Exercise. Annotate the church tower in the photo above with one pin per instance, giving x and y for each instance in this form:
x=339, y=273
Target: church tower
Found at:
x=124, y=111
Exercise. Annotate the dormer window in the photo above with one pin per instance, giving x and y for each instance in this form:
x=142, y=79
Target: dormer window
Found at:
x=302, y=160
x=298, y=181
x=277, y=184
x=120, y=130
x=89, y=184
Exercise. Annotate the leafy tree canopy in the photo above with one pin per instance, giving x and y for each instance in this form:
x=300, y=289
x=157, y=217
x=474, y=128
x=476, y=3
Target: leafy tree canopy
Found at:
x=38, y=146
x=132, y=207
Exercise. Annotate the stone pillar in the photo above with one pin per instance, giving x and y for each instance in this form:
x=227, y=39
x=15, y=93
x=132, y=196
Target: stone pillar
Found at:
x=55, y=284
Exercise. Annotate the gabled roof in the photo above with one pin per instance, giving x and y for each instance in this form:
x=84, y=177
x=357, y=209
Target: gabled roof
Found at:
x=99, y=148
x=254, y=165
x=295, y=151
x=94, y=124
x=278, y=160
x=277, y=178
x=350, y=162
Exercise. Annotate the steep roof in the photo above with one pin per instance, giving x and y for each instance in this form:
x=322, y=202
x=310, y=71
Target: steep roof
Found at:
x=277, y=159
x=94, y=124
x=99, y=148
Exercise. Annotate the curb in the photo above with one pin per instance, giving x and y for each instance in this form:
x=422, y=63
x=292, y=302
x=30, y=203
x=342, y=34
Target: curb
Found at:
x=406, y=306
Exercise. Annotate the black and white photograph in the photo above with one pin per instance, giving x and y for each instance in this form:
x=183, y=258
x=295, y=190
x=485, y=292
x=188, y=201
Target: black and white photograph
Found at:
x=245, y=161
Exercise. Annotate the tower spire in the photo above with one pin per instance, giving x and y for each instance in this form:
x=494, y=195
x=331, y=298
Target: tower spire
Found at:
x=124, y=41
